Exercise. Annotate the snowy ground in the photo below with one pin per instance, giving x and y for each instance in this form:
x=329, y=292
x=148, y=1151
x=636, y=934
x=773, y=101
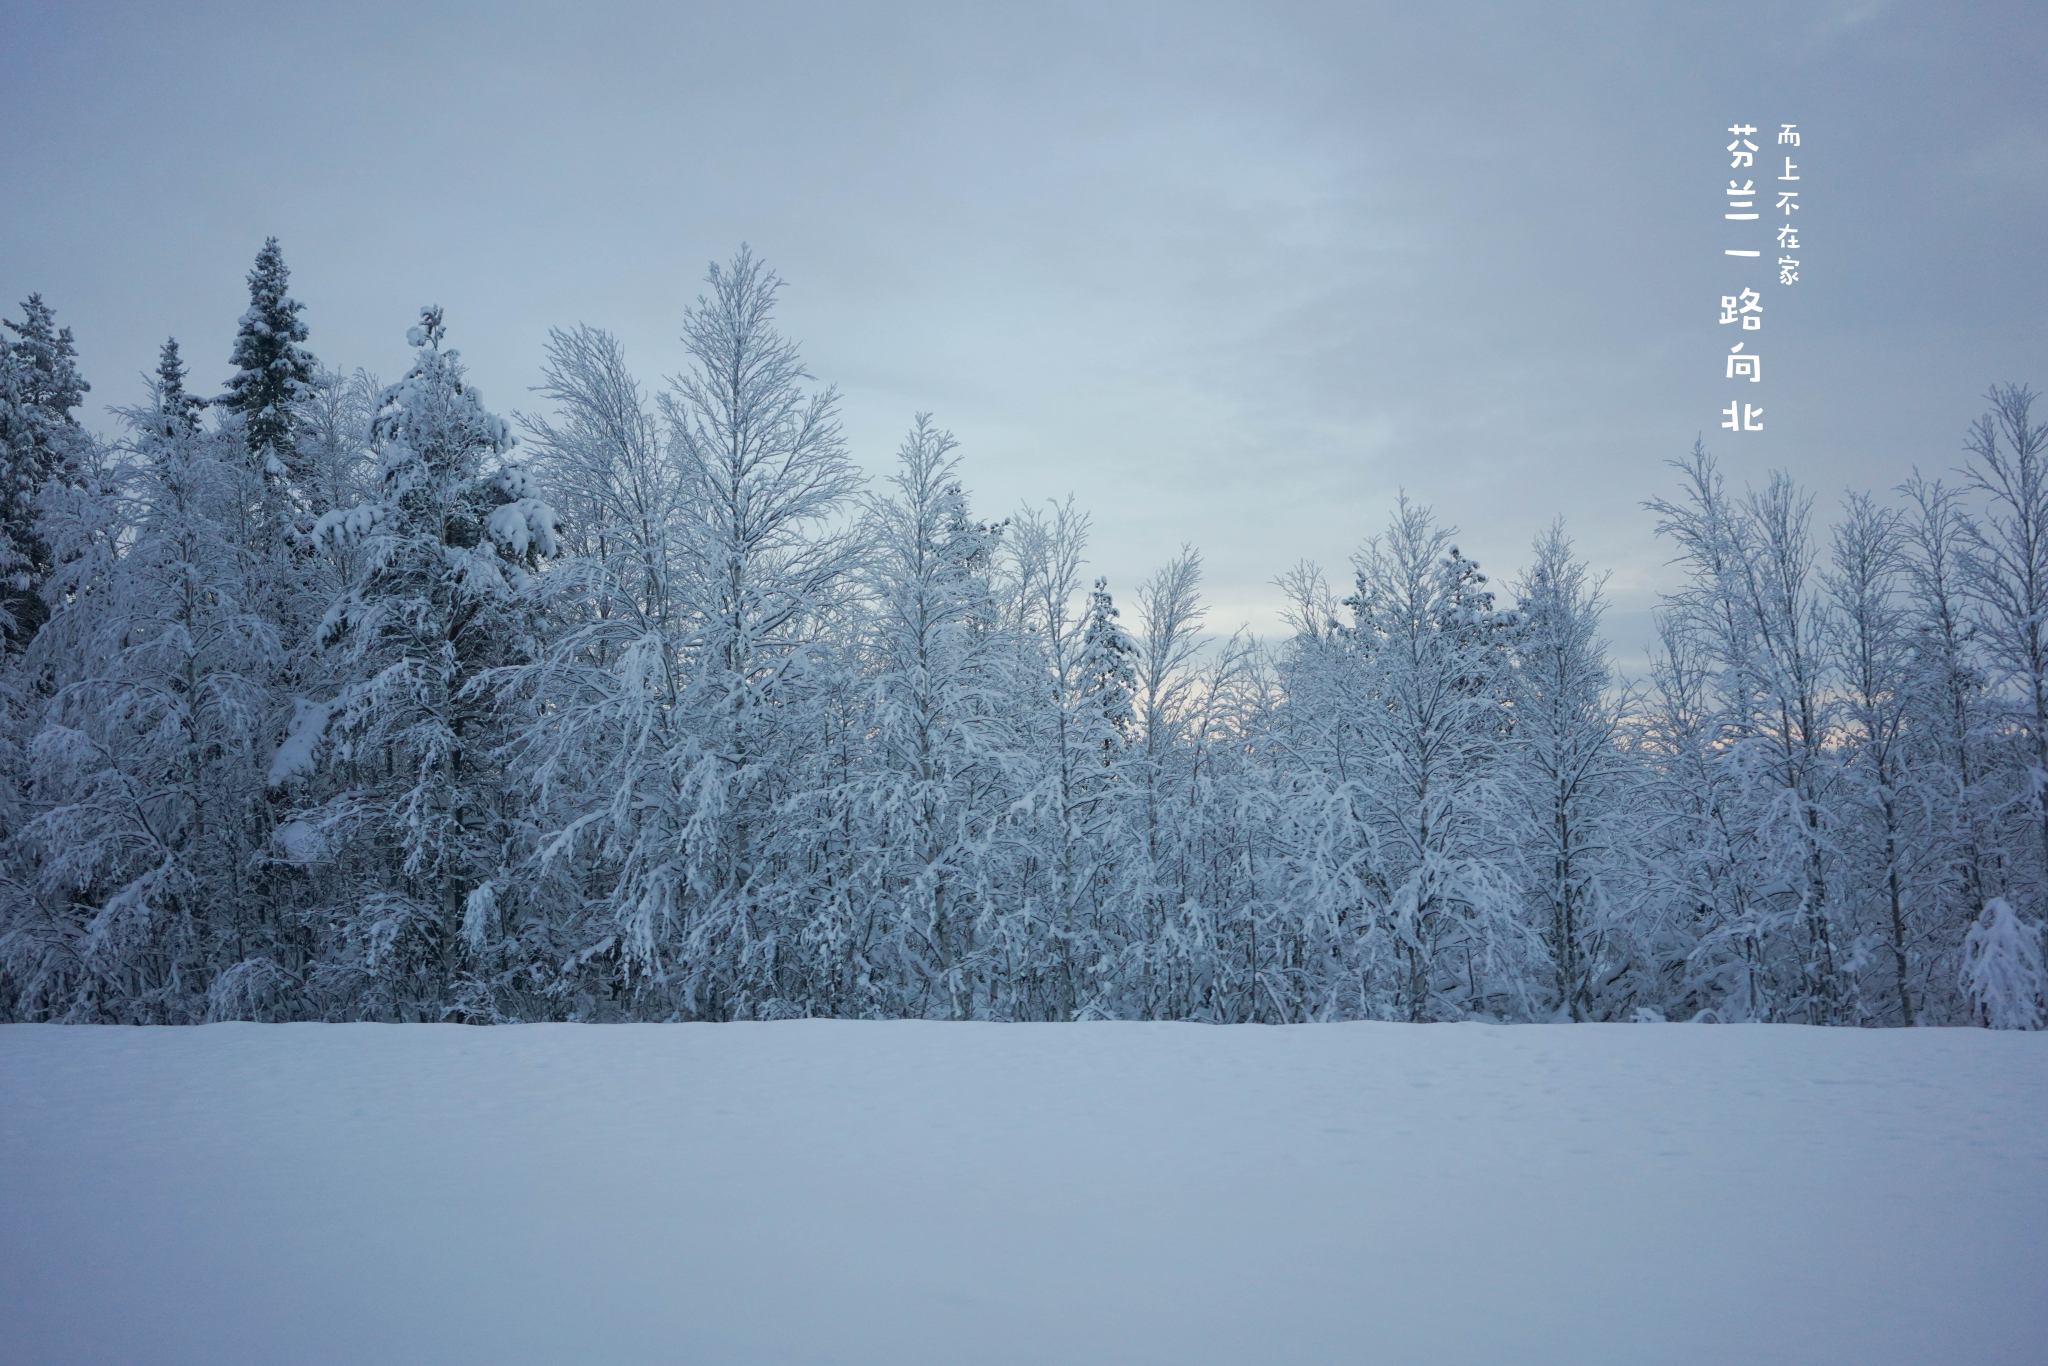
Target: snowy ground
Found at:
x=825, y=1192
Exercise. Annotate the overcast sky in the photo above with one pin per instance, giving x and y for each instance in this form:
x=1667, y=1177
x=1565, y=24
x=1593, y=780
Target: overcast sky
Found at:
x=1231, y=274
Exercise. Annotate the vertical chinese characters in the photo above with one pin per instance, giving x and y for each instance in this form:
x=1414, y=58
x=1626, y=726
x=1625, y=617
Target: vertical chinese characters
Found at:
x=1745, y=306
x=1788, y=236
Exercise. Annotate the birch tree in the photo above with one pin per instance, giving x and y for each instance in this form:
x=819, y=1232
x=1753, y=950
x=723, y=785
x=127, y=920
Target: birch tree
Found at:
x=2007, y=576
x=1871, y=650
x=1573, y=783
x=927, y=807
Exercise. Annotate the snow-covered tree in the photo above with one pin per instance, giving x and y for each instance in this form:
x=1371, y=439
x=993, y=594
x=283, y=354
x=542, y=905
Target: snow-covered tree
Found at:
x=605, y=746
x=1434, y=655
x=325, y=712
x=1170, y=614
x=1198, y=933
x=417, y=814
x=1163, y=682
x=333, y=441
x=1576, y=790
x=177, y=411
x=273, y=372
x=939, y=770
x=1396, y=726
x=767, y=473
x=40, y=443
x=2007, y=575
x=1109, y=678
x=1867, y=636
x=1956, y=843
x=149, y=760
x=1750, y=617
x=1059, y=920
x=681, y=693
x=2002, y=977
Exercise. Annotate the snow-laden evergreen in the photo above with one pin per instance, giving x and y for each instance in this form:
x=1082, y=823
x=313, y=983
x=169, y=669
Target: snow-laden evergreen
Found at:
x=148, y=811
x=41, y=444
x=2002, y=977
x=400, y=751
x=320, y=701
x=273, y=376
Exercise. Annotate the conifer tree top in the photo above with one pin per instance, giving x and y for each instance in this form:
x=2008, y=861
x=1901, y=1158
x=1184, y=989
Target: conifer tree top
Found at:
x=273, y=372
x=179, y=409
x=47, y=354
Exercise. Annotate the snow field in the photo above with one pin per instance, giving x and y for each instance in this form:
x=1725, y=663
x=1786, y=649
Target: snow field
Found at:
x=841, y=1192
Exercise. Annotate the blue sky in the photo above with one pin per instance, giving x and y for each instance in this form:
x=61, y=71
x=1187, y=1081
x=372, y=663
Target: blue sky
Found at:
x=1233, y=275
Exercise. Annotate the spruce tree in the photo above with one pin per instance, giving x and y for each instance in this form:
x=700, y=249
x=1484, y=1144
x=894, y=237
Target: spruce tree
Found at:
x=1111, y=681
x=48, y=353
x=39, y=441
x=178, y=410
x=273, y=373
x=417, y=810
x=147, y=768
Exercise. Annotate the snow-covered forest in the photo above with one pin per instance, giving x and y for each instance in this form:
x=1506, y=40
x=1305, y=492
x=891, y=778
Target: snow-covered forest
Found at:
x=328, y=699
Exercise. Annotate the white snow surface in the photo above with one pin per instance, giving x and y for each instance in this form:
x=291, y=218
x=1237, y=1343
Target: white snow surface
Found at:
x=840, y=1192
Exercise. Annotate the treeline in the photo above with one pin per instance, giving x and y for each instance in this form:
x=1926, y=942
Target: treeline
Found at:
x=324, y=699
